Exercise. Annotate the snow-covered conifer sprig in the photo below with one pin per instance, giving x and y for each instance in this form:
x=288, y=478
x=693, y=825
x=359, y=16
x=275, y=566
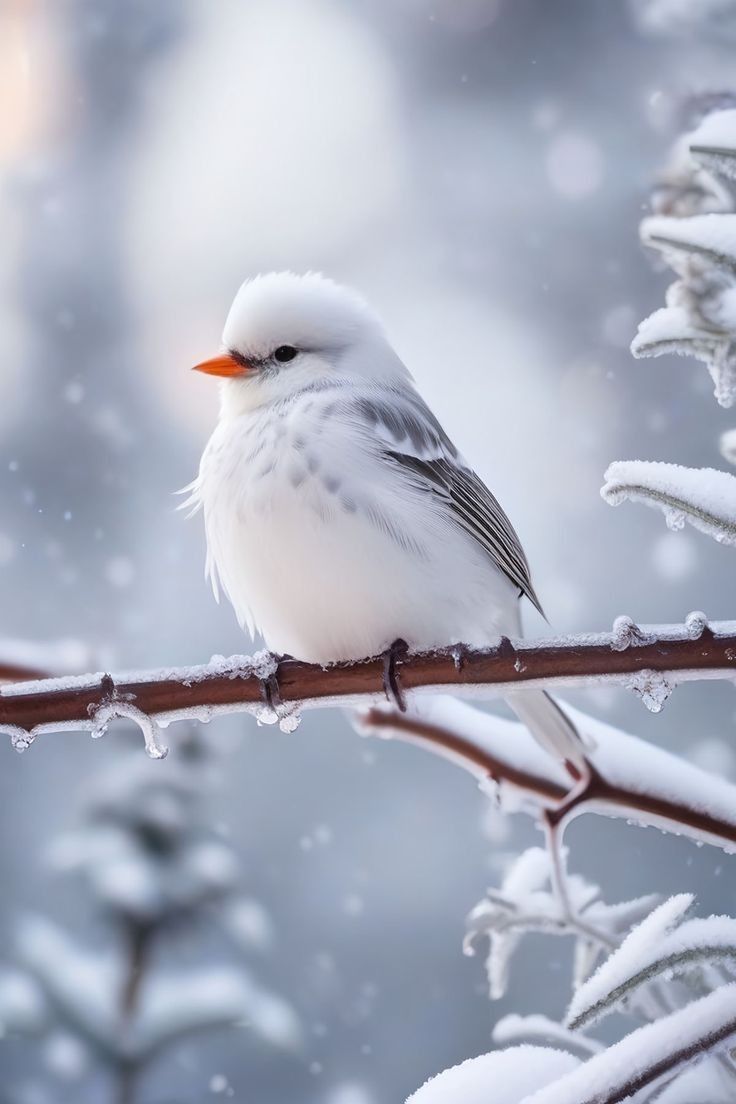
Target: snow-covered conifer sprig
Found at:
x=149, y=861
x=694, y=228
x=662, y=945
x=704, y=497
x=636, y=1068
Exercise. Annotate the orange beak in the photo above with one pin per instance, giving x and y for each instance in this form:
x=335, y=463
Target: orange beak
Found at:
x=223, y=365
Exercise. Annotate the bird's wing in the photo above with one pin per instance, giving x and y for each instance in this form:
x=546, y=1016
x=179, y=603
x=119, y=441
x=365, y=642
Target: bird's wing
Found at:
x=412, y=438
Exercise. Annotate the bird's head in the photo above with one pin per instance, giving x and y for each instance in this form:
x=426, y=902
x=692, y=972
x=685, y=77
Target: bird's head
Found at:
x=285, y=332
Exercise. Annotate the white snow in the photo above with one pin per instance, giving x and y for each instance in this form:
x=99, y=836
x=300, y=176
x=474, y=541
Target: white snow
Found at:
x=642, y=1051
x=79, y=982
x=713, y=143
x=525, y=902
x=639, y=946
x=711, y=236
x=624, y=760
x=540, y=1030
x=703, y=496
x=672, y=329
x=661, y=944
x=190, y=1000
x=501, y=1077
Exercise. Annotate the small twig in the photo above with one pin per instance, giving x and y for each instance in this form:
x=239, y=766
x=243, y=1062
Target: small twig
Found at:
x=649, y=1055
x=558, y=805
x=138, y=937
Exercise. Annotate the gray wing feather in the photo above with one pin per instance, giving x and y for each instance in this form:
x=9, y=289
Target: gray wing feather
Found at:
x=415, y=441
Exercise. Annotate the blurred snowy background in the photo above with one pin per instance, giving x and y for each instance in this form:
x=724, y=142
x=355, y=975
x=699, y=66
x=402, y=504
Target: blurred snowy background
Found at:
x=478, y=168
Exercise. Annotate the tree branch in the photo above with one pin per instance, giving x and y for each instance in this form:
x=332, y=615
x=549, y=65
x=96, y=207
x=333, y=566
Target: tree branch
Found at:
x=629, y=655
x=19, y=672
x=649, y=1055
x=547, y=793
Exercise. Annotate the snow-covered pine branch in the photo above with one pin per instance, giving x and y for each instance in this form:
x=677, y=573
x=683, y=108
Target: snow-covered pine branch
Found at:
x=146, y=858
x=646, y=1059
x=694, y=228
x=664, y=944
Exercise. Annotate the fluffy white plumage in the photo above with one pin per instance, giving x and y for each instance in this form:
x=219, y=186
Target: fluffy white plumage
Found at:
x=339, y=516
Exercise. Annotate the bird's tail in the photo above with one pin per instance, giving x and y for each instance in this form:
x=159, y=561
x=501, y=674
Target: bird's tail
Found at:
x=550, y=726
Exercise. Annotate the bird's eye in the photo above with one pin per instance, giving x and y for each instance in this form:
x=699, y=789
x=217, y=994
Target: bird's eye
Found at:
x=284, y=353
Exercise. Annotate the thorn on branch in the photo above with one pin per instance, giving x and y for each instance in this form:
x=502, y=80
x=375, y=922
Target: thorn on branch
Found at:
x=505, y=648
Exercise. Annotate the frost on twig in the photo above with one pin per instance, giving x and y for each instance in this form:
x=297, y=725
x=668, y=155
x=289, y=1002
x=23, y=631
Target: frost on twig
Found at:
x=663, y=945
x=634, y=1068
x=527, y=902
x=649, y=1056
x=702, y=496
x=114, y=709
x=515, y=1030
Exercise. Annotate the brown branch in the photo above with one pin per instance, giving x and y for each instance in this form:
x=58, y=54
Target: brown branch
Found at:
x=649, y=1056
x=695, y=650
x=684, y=653
x=673, y=1064
x=559, y=804
x=18, y=672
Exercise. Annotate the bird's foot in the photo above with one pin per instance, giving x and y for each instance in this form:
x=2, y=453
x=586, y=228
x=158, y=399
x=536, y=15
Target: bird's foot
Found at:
x=270, y=689
x=391, y=685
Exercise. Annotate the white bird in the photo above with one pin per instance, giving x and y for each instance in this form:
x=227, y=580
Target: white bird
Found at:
x=340, y=518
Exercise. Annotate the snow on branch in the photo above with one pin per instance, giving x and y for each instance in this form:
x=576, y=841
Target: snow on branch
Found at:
x=628, y=778
x=694, y=229
x=661, y=946
x=648, y=1056
x=645, y=1059
x=649, y=660
x=703, y=496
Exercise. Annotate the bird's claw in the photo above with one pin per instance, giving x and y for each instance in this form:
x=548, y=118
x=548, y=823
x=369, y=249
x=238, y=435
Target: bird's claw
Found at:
x=391, y=685
x=270, y=690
